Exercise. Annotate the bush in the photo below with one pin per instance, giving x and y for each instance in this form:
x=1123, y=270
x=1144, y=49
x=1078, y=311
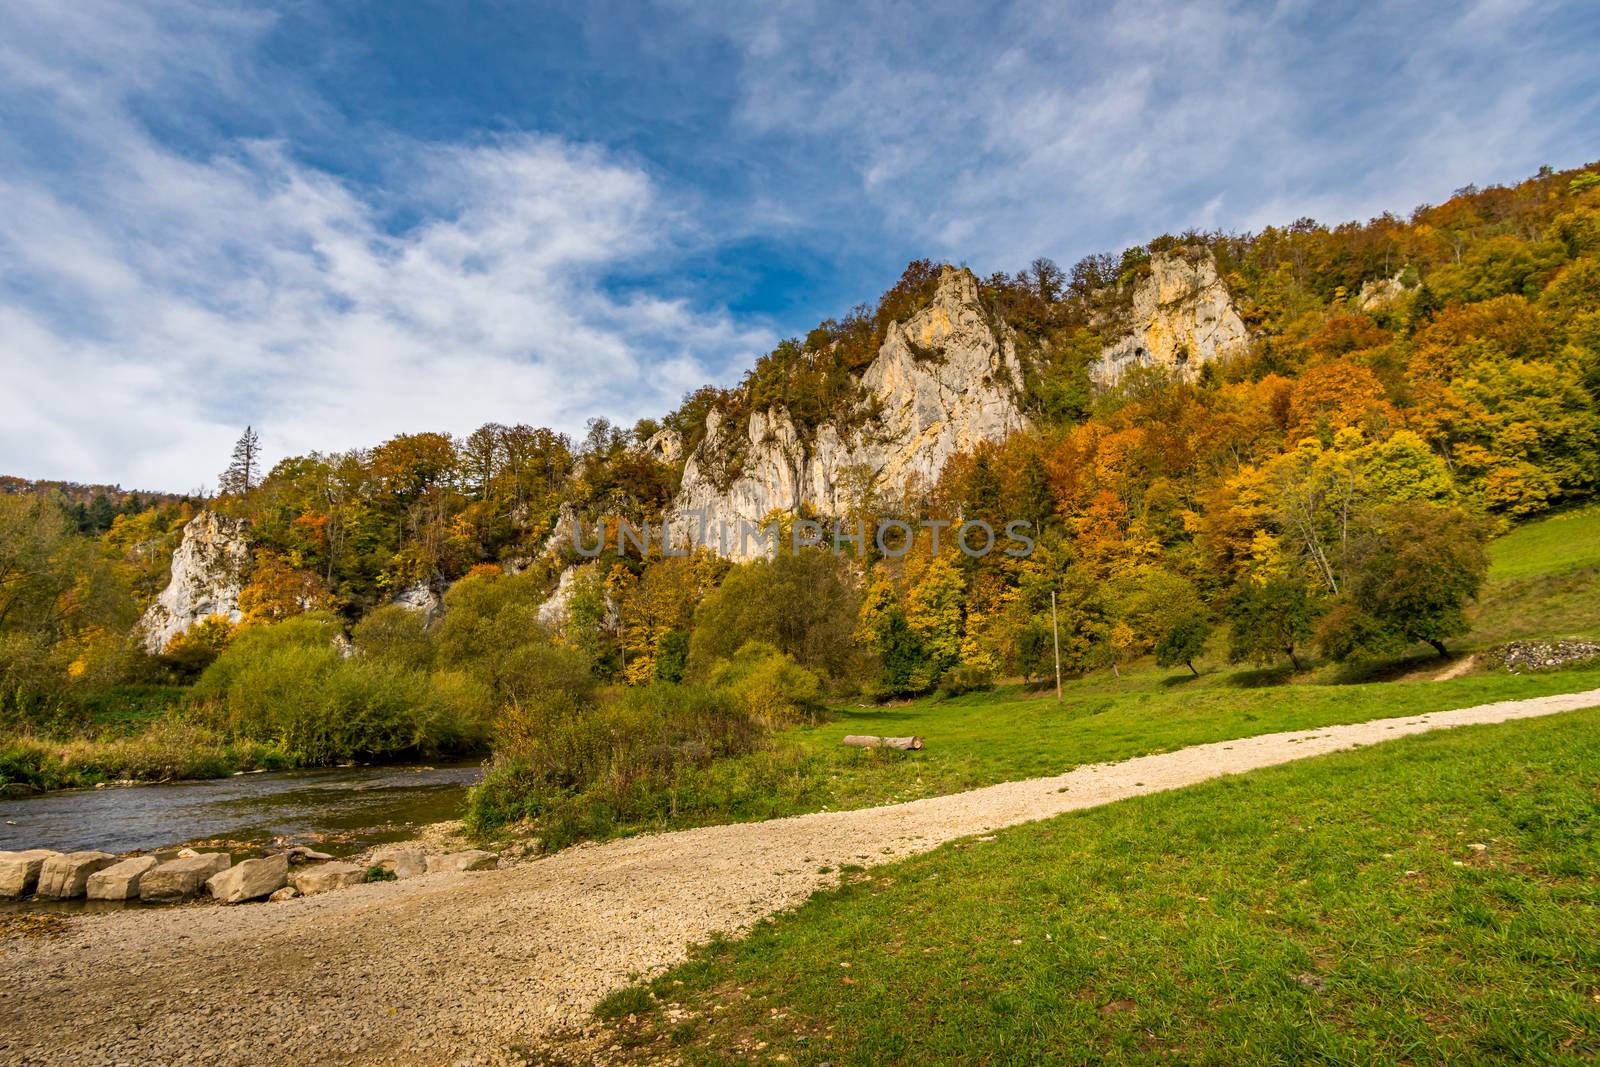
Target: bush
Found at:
x=491, y=631
x=964, y=678
x=585, y=771
x=770, y=685
x=287, y=685
x=396, y=635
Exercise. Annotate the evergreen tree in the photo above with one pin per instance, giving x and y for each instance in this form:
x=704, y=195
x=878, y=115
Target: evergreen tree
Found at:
x=240, y=476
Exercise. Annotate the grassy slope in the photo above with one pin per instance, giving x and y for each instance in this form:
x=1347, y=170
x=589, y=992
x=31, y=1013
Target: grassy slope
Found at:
x=1329, y=911
x=1544, y=581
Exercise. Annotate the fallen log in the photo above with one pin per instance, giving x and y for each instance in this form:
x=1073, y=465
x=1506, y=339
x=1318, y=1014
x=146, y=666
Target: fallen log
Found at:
x=866, y=741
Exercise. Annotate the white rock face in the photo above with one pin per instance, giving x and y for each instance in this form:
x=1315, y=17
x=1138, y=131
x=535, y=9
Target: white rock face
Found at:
x=944, y=381
x=665, y=445
x=1183, y=317
x=1379, y=292
x=208, y=571
x=421, y=597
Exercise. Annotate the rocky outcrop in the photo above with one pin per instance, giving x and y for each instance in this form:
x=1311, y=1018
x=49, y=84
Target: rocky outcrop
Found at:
x=1182, y=317
x=944, y=381
x=1380, y=292
x=208, y=571
x=423, y=597
x=665, y=446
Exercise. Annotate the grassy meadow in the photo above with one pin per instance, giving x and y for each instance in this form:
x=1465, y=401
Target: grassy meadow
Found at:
x=1430, y=900
x=1544, y=581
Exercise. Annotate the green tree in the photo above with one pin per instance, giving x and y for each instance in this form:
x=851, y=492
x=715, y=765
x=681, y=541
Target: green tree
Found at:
x=244, y=468
x=804, y=603
x=1270, y=619
x=1414, y=569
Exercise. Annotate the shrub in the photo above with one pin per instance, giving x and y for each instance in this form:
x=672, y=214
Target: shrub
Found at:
x=965, y=678
x=803, y=603
x=287, y=685
x=198, y=647
x=396, y=635
x=770, y=685
x=580, y=772
x=491, y=631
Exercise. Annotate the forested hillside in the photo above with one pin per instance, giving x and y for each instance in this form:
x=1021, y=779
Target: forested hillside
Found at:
x=1410, y=387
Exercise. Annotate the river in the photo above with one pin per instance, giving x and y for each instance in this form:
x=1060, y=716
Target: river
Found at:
x=341, y=811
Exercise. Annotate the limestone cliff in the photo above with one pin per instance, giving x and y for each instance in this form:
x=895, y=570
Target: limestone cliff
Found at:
x=1182, y=317
x=209, y=569
x=943, y=381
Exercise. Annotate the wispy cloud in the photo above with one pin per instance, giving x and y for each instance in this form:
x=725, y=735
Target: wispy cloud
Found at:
x=997, y=132
x=155, y=302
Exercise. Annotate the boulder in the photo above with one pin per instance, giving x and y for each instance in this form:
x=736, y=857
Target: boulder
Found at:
x=405, y=862
x=120, y=881
x=19, y=871
x=250, y=880
x=66, y=877
x=473, y=859
x=181, y=878
x=326, y=876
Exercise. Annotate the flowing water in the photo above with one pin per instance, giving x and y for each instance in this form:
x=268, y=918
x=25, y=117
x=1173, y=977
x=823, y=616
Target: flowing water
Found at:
x=340, y=811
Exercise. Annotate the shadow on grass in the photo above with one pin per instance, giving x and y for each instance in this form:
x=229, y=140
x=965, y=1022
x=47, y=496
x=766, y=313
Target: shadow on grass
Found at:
x=1262, y=677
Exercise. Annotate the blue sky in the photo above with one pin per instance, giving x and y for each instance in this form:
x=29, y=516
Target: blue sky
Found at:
x=341, y=221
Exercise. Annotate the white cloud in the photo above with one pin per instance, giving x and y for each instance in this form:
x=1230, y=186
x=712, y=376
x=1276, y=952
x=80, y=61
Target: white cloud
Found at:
x=996, y=132
x=157, y=302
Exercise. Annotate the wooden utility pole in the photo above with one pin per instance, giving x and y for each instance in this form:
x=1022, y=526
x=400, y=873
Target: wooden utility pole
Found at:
x=1055, y=635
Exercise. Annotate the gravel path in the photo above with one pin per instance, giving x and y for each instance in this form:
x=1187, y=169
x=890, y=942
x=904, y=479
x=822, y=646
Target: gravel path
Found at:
x=452, y=968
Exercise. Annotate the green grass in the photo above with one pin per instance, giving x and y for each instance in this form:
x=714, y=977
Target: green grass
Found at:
x=1544, y=581
x=1331, y=911
x=1562, y=543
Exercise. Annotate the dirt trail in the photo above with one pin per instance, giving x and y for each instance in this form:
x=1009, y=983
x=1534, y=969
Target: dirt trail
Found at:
x=454, y=968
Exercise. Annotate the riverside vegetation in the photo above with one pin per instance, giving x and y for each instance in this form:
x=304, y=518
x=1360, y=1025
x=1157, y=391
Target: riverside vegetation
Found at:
x=1313, y=509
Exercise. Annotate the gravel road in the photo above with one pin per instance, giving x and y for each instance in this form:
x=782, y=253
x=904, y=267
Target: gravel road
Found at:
x=461, y=968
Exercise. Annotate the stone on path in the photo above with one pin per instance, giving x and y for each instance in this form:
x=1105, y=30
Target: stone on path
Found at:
x=288, y=892
x=473, y=859
x=120, y=881
x=19, y=871
x=326, y=876
x=405, y=862
x=250, y=880
x=66, y=877
x=182, y=878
